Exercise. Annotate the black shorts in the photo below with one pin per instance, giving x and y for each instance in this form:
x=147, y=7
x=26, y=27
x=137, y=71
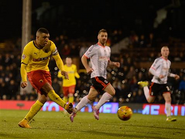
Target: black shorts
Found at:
x=99, y=83
x=156, y=89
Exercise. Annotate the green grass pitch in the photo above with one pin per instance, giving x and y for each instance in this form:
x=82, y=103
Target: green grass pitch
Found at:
x=56, y=125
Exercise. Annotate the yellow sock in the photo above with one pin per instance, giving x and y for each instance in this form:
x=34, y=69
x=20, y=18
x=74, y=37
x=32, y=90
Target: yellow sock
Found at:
x=56, y=98
x=33, y=110
x=71, y=99
x=65, y=99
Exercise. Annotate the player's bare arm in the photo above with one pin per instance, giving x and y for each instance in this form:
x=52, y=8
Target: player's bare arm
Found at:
x=85, y=63
x=116, y=64
x=176, y=77
x=161, y=76
x=65, y=74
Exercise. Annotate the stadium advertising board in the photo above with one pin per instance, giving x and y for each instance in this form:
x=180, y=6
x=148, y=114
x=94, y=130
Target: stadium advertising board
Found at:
x=156, y=109
x=52, y=106
x=152, y=109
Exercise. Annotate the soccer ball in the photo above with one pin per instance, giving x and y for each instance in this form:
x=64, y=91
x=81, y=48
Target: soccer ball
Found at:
x=124, y=113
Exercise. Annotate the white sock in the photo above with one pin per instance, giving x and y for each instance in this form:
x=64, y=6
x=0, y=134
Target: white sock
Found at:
x=106, y=97
x=82, y=103
x=146, y=92
x=168, y=109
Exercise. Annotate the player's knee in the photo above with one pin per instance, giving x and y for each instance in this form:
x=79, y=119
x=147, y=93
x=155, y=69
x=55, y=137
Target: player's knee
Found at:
x=168, y=100
x=70, y=95
x=91, y=98
x=47, y=87
x=42, y=99
x=112, y=92
x=150, y=100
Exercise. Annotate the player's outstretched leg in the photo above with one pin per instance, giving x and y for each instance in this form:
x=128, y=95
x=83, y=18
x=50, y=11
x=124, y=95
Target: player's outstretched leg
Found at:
x=56, y=98
x=68, y=107
x=144, y=85
x=78, y=107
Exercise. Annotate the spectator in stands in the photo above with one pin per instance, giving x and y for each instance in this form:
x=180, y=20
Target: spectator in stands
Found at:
x=12, y=89
x=142, y=41
x=182, y=90
x=133, y=84
x=83, y=49
x=74, y=50
x=151, y=57
x=131, y=73
x=1, y=60
x=8, y=60
x=140, y=98
x=124, y=91
x=134, y=40
x=133, y=97
x=66, y=50
x=56, y=86
x=150, y=41
x=140, y=76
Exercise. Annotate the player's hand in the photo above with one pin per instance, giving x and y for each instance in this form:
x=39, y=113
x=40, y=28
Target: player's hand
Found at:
x=117, y=64
x=65, y=74
x=24, y=84
x=176, y=77
x=161, y=76
x=89, y=70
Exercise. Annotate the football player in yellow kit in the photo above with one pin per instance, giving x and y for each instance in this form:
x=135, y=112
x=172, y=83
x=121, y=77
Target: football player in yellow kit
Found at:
x=69, y=85
x=34, y=65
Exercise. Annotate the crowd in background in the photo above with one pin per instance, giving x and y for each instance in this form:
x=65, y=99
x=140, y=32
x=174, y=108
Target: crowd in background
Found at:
x=123, y=79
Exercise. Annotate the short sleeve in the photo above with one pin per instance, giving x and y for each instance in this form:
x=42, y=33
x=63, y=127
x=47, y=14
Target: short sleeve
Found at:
x=90, y=52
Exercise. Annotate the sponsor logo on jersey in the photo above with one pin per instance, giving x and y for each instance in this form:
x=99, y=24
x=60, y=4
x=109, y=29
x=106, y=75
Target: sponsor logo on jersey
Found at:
x=40, y=59
x=103, y=58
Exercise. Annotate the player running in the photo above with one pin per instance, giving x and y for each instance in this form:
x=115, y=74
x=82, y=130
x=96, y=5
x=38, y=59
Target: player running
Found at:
x=160, y=71
x=99, y=55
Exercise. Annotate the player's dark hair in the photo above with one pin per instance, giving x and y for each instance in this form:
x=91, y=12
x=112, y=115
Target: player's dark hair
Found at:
x=165, y=46
x=43, y=30
x=102, y=30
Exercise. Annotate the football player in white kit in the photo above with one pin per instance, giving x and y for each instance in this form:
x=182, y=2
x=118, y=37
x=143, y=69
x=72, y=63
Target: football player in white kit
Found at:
x=99, y=55
x=160, y=71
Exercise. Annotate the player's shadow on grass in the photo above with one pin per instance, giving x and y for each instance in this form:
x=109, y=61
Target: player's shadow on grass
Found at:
x=147, y=126
x=4, y=135
x=122, y=134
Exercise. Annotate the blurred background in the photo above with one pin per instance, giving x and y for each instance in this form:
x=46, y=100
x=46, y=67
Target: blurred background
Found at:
x=137, y=30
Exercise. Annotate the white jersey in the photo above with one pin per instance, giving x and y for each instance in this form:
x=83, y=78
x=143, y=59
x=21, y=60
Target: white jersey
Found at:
x=160, y=66
x=99, y=56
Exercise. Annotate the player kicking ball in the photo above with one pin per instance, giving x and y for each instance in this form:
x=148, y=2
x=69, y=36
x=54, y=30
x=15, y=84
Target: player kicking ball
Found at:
x=34, y=65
